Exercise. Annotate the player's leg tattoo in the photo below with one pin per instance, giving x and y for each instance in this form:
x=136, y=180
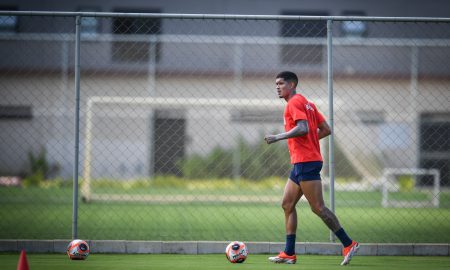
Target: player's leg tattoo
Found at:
x=329, y=218
x=313, y=193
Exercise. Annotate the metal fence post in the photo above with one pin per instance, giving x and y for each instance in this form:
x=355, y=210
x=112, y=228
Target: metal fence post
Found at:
x=414, y=89
x=77, y=128
x=331, y=117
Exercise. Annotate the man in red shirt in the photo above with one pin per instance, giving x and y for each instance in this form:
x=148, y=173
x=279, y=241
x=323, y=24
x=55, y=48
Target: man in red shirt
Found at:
x=304, y=126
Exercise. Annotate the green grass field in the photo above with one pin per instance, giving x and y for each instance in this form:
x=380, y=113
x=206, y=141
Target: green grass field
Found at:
x=217, y=261
x=37, y=213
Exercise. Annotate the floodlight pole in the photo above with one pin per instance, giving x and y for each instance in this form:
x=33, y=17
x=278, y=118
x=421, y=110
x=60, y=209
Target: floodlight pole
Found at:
x=331, y=117
x=77, y=129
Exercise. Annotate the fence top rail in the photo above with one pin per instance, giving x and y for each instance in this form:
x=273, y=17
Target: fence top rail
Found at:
x=238, y=40
x=222, y=16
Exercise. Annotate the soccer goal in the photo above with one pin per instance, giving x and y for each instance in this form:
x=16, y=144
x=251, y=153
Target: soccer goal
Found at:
x=118, y=142
x=412, y=195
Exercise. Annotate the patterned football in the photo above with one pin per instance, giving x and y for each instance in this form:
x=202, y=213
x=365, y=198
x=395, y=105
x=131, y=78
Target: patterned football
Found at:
x=78, y=250
x=236, y=252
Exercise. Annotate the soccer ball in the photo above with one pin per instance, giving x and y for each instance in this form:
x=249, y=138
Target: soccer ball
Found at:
x=78, y=250
x=236, y=252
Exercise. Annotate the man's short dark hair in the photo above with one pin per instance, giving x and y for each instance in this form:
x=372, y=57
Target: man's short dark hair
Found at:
x=288, y=76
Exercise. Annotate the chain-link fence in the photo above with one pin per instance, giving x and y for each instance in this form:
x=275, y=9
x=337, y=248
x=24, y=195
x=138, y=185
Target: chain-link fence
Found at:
x=174, y=109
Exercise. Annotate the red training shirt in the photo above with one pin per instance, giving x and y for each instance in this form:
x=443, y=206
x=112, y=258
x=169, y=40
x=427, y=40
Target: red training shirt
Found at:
x=304, y=148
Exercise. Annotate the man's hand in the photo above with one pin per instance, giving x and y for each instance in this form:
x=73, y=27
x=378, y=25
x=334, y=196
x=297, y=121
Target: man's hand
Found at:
x=301, y=129
x=271, y=139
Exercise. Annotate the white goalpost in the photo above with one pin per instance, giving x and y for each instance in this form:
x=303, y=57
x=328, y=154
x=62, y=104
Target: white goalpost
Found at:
x=390, y=184
x=152, y=103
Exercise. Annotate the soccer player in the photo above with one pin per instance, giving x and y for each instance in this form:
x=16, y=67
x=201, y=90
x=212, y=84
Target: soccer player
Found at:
x=304, y=126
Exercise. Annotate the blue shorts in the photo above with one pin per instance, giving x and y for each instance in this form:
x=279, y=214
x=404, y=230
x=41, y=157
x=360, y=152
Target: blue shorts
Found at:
x=306, y=171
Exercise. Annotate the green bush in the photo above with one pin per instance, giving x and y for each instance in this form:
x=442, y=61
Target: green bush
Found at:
x=40, y=169
x=255, y=162
x=34, y=179
x=406, y=183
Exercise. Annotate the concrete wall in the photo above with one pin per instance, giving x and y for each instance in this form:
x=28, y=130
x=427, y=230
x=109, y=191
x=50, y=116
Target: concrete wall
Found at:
x=122, y=134
x=192, y=49
x=215, y=247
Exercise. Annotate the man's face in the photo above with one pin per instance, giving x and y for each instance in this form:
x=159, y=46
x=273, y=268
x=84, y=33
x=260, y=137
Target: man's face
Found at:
x=284, y=88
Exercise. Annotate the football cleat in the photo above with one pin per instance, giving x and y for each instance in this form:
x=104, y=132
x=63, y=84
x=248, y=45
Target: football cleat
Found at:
x=284, y=258
x=349, y=251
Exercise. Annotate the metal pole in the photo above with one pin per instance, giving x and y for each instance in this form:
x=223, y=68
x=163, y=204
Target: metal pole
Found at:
x=237, y=68
x=415, y=110
x=331, y=117
x=77, y=128
x=223, y=16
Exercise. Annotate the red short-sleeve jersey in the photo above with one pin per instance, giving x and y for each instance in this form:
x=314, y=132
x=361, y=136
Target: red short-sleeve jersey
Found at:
x=304, y=148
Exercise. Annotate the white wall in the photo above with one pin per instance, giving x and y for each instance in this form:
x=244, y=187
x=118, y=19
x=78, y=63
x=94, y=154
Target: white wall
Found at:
x=125, y=139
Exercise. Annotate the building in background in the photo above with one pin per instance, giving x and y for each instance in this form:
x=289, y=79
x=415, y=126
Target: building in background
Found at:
x=391, y=82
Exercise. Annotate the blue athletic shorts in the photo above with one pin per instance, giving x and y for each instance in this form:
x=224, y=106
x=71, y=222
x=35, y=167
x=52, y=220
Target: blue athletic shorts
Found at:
x=306, y=171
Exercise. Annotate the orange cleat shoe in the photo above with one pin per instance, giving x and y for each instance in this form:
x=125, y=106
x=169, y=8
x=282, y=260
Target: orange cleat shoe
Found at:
x=349, y=251
x=284, y=258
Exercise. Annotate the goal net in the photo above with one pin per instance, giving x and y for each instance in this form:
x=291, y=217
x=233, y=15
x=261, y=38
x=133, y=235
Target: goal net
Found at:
x=130, y=140
x=400, y=189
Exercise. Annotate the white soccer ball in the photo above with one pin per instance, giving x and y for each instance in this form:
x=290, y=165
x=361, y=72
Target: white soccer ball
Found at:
x=78, y=250
x=236, y=252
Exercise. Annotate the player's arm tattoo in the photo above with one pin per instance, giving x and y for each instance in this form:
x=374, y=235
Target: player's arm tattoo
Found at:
x=330, y=219
x=300, y=129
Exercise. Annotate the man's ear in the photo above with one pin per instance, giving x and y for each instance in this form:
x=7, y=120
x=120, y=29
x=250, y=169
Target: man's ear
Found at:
x=292, y=85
